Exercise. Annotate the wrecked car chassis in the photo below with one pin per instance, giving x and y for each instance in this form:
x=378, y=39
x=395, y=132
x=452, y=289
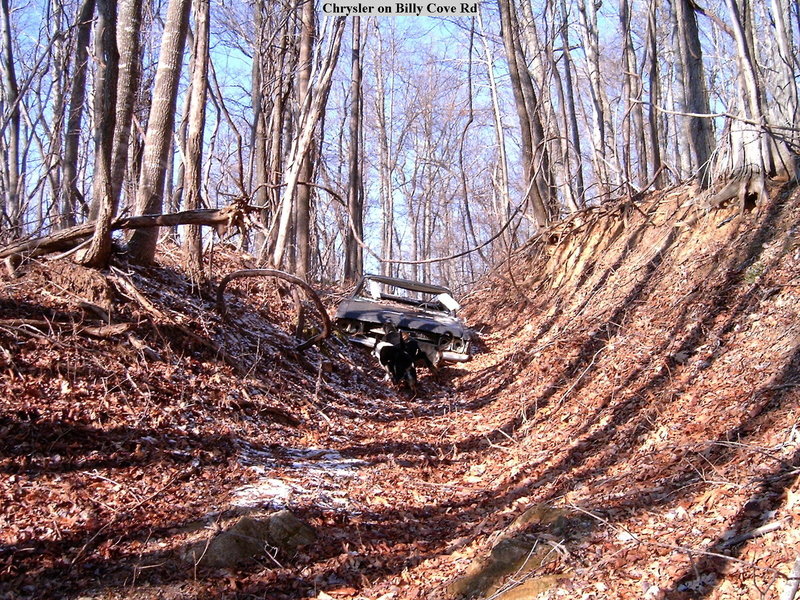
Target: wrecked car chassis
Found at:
x=423, y=311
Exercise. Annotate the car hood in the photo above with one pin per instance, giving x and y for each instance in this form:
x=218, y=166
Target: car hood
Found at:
x=374, y=312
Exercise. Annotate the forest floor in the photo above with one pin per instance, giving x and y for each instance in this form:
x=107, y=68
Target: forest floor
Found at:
x=630, y=418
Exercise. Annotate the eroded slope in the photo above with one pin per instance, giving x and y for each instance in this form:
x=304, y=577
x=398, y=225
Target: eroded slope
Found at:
x=636, y=382
x=649, y=383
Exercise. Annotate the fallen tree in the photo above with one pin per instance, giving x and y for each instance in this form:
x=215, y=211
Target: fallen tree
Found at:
x=220, y=218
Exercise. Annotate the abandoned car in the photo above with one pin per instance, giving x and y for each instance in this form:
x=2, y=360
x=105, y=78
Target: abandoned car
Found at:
x=425, y=312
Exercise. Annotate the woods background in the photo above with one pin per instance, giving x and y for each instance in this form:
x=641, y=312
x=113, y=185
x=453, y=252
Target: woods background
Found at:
x=381, y=142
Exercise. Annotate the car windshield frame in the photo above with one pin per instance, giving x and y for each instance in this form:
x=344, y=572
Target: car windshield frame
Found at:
x=431, y=300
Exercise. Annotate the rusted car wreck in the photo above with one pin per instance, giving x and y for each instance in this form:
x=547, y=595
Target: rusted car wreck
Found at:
x=425, y=312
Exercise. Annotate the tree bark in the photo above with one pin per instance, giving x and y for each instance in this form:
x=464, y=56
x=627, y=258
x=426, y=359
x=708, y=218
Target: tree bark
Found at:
x=303, y=220
x=105, y=105
x=309, y=118
x=534, y=151
x=71, y=196
x=194, y=143
x=385, y=158
x=655, y=96
x=128, y=42
x=10, y=208
x=698, y=128
x=574, y=133
x=149, y=197
x=503, y=186
x=354, y=258
x=633, y=122
x=591, y=47
x=259, y=100
x=785, y=111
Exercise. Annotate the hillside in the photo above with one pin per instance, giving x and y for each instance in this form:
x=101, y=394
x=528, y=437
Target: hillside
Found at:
x=628, y=428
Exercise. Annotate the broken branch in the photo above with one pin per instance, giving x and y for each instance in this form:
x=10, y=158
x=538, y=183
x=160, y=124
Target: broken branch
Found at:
x=67, y=239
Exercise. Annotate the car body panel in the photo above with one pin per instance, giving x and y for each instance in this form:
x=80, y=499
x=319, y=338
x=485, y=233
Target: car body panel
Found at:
x=370, y=312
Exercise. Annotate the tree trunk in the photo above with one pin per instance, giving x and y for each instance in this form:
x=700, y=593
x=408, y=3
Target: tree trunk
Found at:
x=258, y=132
x=149, y=196
x=71, y=196
x=534, y=151
x=56, y=150
x=574, y=134
x=385, y=159
x=655, y=95
x=128, y=35
x=303, y=220
x=469, y=227
x=591, y=47
x=309, y=118
x=503, y=186
x=194, y=142
x=633, y=122
x=10, y=207
x=548, y=84
x=105, y=106
x=785, y=110
x=698, y=128
x=354, y=259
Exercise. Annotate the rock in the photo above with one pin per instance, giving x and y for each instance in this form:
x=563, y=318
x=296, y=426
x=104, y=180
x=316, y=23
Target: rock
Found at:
x=539, y=514
x=531, y=588
x=288, y=532
x=516, y=553
x=682, y=357
x=250, y=539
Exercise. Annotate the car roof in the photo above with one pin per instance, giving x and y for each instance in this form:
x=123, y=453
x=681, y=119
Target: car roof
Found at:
x=415, y=286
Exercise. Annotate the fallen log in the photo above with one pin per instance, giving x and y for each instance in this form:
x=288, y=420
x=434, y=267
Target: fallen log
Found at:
x=220, y=218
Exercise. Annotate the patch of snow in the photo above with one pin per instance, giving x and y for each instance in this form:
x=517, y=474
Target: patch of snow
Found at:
x=297, y=475
x=266, y=491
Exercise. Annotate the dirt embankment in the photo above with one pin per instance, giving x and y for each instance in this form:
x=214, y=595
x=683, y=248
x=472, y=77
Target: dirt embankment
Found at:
x=644, y=364
x=630, y=421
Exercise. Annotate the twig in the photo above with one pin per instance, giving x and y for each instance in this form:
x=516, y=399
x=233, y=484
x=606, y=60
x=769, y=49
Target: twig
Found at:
x=116, y=483
x=175, y=320
x=682, y=549
x=118, y=517
x=754, y=533
x=793, y=583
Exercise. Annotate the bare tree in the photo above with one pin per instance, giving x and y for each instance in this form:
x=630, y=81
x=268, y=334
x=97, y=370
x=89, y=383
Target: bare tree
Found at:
x=536, y=164
x=105, y=104
x=71, y=195
x=259, y=99
x=498, y=121
x=194, y=143
x=633, y=142
x=128, y=44
x=385, y=155
x=149, y=197
x=698, y=131
x=308, y=120
x=303, y=199
x=10, y=206
x=572, y=114
x=655, y=94
x=591, y=48
x=354, y=259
